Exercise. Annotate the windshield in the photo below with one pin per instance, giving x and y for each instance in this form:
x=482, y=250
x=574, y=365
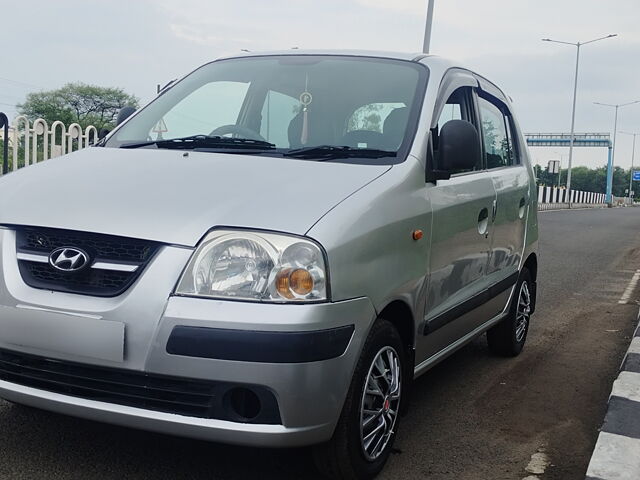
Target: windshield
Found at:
x=286, y=104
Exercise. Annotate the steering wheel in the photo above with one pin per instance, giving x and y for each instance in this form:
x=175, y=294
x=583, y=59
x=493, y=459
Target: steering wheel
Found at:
x=238, y=130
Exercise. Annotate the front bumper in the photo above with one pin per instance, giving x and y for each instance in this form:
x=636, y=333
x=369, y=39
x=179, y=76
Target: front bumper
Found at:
x=86, y=331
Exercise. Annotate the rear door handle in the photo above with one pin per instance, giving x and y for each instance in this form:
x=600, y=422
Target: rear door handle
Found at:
x=494, y=211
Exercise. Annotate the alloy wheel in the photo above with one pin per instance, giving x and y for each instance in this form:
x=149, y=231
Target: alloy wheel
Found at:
x=523, y=311
x=380, y=402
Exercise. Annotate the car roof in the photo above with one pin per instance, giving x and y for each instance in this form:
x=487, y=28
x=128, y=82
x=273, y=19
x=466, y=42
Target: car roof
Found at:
x=411, y=56
x=435, y=61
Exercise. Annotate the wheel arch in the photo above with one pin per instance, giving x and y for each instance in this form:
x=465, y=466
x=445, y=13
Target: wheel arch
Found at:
x=531, y=264
x=400, y=315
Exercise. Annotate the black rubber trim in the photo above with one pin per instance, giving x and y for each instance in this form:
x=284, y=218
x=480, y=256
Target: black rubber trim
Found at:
x=161, y=393
x=467, y=306
x=259, y=346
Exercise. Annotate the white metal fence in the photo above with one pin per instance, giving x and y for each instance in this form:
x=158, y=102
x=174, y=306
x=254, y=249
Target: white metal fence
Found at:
x=30, y=143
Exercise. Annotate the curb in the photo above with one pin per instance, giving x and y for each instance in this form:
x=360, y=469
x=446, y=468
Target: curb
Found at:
x=616, y=455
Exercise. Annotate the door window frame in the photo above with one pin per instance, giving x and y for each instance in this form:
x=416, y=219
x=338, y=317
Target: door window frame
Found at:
x=455, y=79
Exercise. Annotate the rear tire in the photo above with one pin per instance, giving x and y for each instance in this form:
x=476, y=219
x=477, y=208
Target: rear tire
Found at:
x=367, y=427
x=507, y=338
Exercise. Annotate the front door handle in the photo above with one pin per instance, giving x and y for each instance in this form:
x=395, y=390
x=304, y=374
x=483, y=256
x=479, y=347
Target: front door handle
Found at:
x=521, y=208
x=483, y=222
x=494, y=211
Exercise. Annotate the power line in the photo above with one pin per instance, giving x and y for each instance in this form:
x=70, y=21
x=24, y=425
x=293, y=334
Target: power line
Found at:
x=31, y=85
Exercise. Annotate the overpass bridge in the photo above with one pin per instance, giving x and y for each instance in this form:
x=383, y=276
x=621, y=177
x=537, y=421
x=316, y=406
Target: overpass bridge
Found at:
x=579, y=140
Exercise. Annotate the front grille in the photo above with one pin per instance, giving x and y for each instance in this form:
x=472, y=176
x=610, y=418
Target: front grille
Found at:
x=108, y=247
x=88, y=281
x=182, y=396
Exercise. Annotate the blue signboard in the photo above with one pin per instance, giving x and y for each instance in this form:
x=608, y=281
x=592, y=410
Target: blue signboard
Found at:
x=636, y=175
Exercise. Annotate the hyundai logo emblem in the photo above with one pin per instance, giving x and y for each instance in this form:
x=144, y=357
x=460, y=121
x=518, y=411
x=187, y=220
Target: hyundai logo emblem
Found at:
x=68, y=259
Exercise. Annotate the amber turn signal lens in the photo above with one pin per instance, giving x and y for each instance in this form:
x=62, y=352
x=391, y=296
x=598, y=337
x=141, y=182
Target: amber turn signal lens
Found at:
x=282, y=283
x=301, y=281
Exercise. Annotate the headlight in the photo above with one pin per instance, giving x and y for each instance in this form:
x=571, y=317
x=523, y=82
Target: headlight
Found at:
x=255, y=266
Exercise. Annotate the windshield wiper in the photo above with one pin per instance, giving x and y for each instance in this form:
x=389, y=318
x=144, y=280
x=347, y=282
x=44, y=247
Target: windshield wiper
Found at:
x=205, y=141
x=329, y=152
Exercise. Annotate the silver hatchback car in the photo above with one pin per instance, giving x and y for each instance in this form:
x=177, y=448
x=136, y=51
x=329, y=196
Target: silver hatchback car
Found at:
x=271, y=251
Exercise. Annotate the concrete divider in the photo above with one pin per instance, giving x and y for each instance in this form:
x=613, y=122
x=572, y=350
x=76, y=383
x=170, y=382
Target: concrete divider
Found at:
x=616, y=455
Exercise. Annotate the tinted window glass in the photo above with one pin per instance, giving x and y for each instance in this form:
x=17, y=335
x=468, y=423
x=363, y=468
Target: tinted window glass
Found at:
x=513, y=149
x=293, y=101
x=277, y=113
x=371, y=116
x=497, y=149
x=451, y=111
x=458, y=107
x=201, y=111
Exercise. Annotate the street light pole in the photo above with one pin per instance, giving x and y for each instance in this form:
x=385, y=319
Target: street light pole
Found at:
x=573, y=122
x=575, y=94
x=613, y=150
x=633, y=155
x=427, y=28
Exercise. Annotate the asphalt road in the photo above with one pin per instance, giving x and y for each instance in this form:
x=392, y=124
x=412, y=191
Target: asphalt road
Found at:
x=474, y=416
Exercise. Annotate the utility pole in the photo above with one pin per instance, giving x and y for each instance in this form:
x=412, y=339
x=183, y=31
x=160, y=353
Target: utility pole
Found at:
x=427, y=28
x=575, y=93
x=633, y=154
x=613, y=152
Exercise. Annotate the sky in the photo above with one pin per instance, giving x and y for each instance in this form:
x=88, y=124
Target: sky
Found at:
x=137, y=44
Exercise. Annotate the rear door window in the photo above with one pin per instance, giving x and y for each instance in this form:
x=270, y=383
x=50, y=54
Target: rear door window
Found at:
x=498, y=146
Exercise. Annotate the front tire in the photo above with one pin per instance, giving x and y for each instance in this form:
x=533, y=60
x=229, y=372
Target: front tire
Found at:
x=507, y=338
x=367, y=427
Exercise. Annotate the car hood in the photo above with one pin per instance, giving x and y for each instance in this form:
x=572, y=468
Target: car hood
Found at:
x=176, y=197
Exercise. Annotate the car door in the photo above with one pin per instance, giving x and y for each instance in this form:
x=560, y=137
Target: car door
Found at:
x=460, y=236
x=503, y=158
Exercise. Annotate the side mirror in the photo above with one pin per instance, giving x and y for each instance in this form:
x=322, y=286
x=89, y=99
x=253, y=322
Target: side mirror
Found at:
x=458, y=146
x=124, y=113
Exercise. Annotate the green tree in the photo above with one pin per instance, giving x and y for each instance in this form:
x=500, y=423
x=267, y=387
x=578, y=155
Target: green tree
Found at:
x=545, y=178
x=587, y=179
x=78, y=103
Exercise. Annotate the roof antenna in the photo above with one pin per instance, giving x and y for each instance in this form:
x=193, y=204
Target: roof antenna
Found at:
x=245, y=50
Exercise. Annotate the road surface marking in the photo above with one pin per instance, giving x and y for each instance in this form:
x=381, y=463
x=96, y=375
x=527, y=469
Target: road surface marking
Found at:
x=630, y=288
x=537, y=465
